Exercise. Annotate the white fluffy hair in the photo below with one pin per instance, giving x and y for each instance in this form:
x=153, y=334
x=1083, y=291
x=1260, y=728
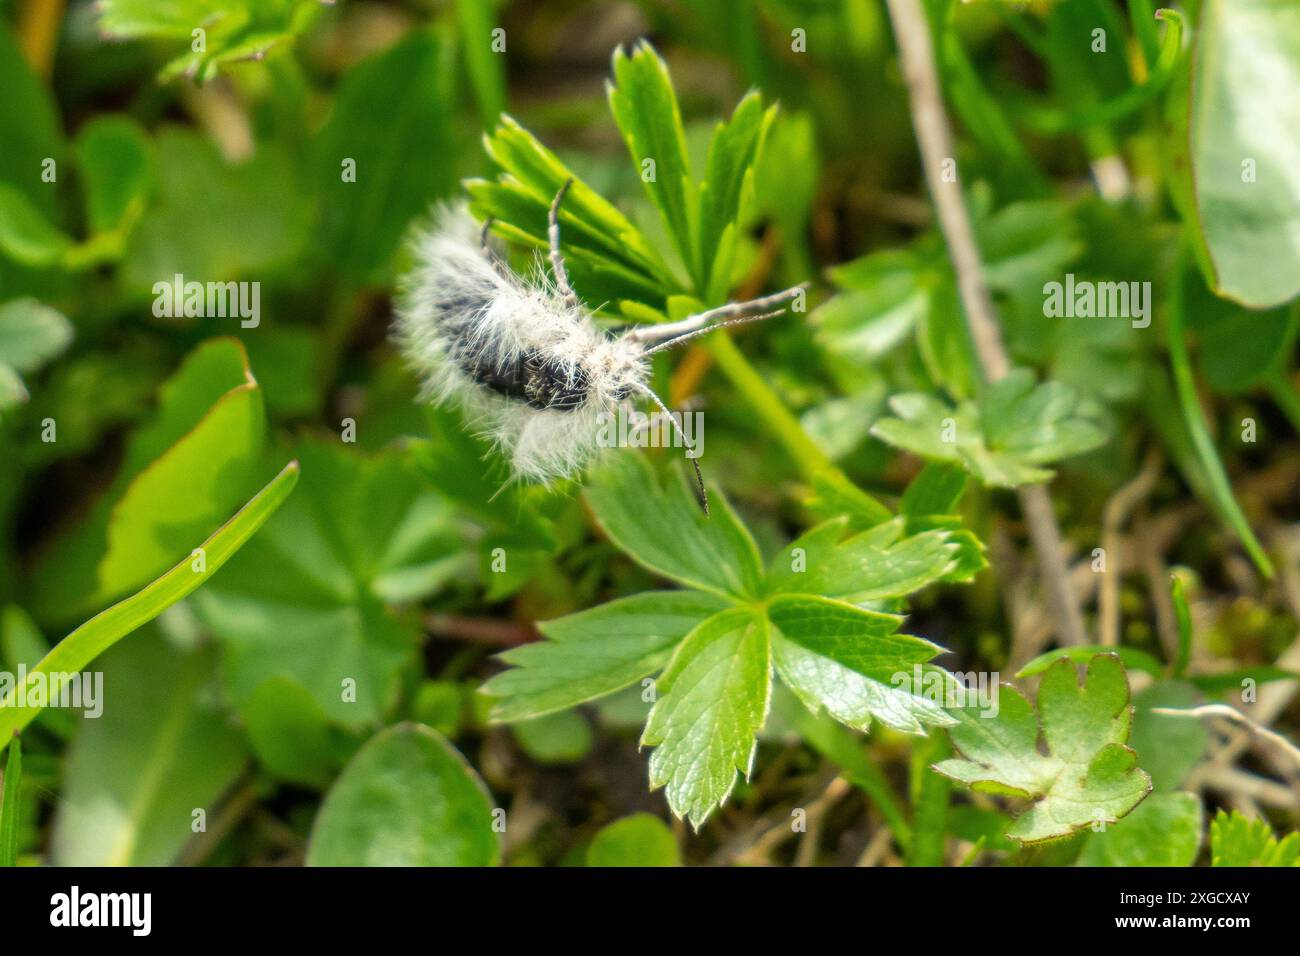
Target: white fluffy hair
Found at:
x=461, y=319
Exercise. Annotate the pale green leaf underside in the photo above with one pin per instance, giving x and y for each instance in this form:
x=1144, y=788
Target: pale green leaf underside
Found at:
x=1087, y=775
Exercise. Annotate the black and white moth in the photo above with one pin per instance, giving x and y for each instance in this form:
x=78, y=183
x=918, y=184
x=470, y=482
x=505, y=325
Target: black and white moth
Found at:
x=522, y=356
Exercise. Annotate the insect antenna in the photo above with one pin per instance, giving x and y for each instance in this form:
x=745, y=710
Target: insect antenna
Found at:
x=671, y=343
x=699, y=476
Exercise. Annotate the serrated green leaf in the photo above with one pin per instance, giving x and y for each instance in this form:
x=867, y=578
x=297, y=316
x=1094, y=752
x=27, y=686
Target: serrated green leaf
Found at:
x=644, y=105
x=408, y=798
x=1236, y=840
x=851, y=663
x=712, y=701
x=596, y=652
x=1004, y=438
x=233, y=30
x=1087, y=776
x=871, y=565
x=664, y=529
x=729, y=179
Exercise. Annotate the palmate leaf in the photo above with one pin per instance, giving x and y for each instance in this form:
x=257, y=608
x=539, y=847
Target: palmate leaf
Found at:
x=1087, y=776
x=1005, y=437
x=719, y=641
x=234, y=30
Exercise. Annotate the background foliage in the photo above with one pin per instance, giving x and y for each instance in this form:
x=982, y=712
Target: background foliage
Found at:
x=351, y=533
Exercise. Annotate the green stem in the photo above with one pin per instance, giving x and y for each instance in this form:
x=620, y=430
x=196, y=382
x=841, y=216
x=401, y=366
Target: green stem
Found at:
x=1220, y=488
x=805, y=452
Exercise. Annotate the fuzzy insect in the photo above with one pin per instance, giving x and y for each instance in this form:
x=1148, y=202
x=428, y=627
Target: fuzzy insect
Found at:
x=523, y=357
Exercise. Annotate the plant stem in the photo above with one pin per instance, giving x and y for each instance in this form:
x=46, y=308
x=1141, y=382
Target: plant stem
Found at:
x=805, y=452
x=934, y=135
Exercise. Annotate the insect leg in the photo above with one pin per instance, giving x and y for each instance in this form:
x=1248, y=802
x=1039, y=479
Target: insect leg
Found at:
x=490, y=254
x=557, y=260
x=668, y=330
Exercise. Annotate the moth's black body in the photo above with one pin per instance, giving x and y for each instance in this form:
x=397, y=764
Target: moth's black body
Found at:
x=530, y=377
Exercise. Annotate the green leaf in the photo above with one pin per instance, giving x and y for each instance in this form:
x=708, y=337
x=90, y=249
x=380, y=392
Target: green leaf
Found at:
x=1165, y=830
x=263, y=226
x=563, y=737
x=851, y=663
x=234, y=30
x=1004, y=438
x=638, y=840
x=26, y=235
x=872, y=565
x=29, y=126
x=665, y=530
x=728, y=188
x=644, y=105
x=596, y=652
x=184, y=471
x=937, y=490
x=10, y=806
x=475, y=23
x=712, y=700
x=136, y=774
x=1130, y=657
x=1087, y=775
x=1249, y=217
x=116, y=163
x=75, y=652
x=592, y=230
x=408, y=798
x=307, y=600
x=289, y=733
x=31, y=334
x=1167, y=747
x=1236, y=840
x=365, y=220
x=1183, y=615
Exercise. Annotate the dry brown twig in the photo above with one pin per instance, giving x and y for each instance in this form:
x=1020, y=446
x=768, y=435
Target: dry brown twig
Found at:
x=934, y=135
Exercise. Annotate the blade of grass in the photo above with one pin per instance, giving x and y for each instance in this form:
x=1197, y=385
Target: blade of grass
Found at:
x=475, y=22
x=75, y=652
x=1185, y=388
x=1285, y=396
x=13, y=779
x=1184, y=616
